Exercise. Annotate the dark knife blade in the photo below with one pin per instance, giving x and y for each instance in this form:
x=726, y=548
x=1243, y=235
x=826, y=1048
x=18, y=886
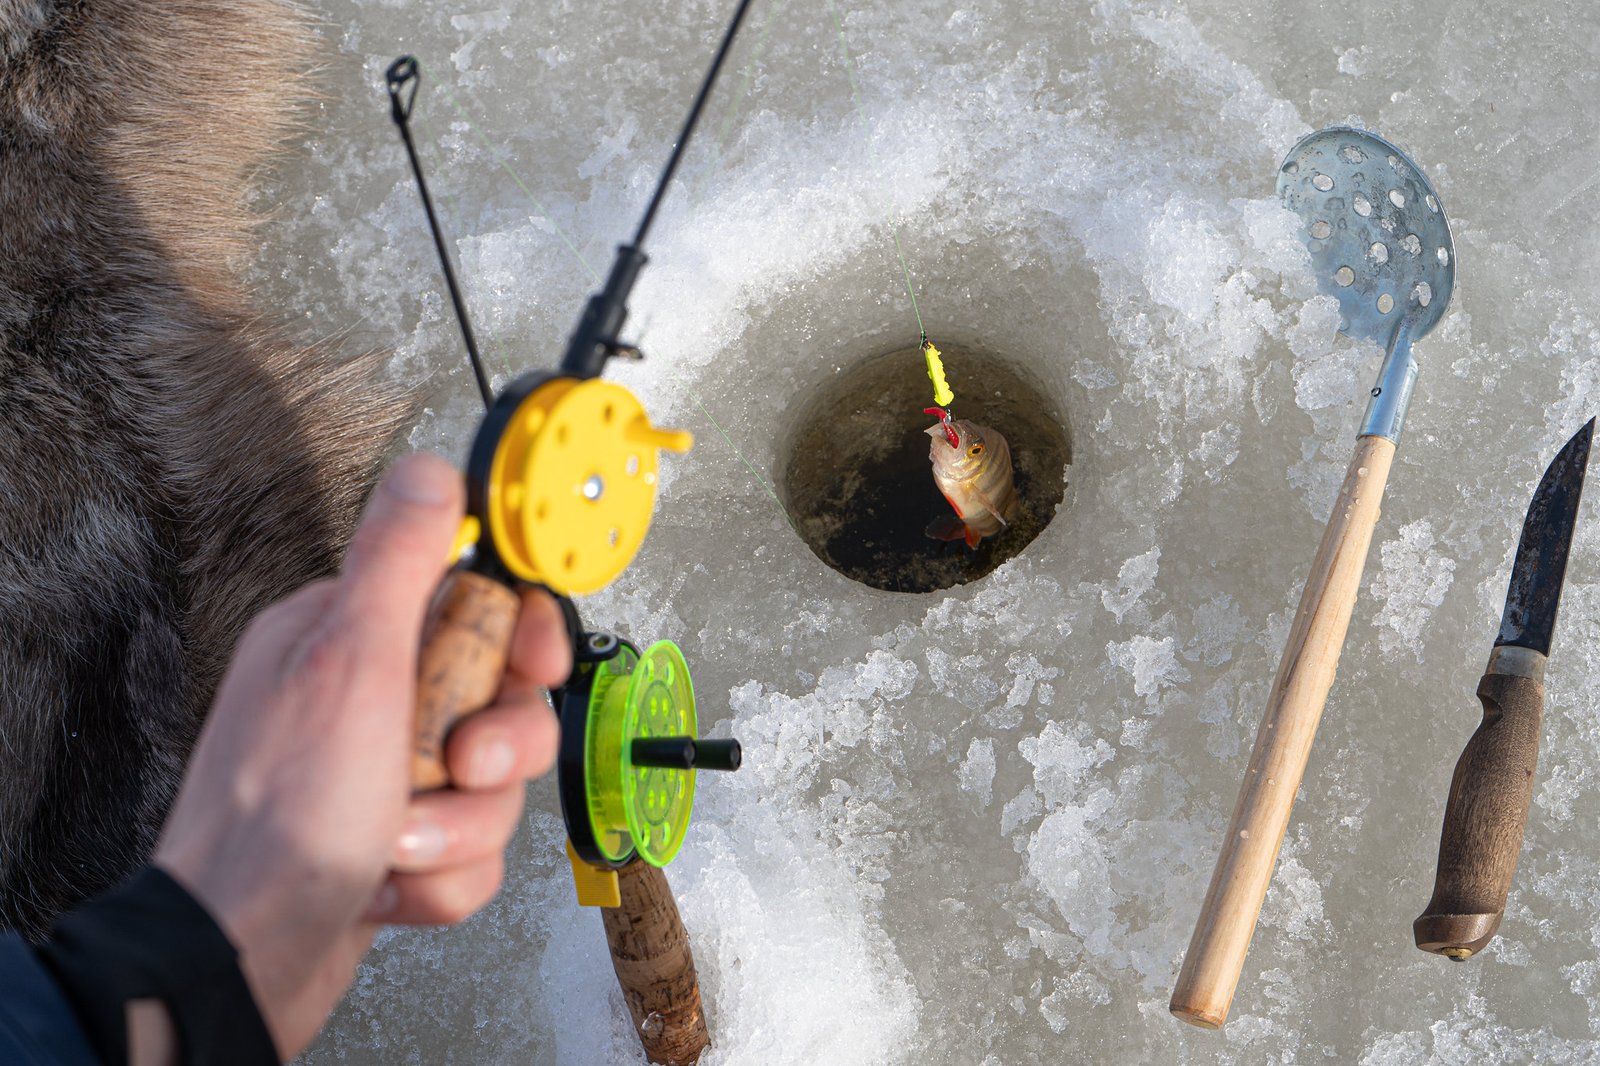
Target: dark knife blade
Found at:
x=1541, y=566
x=1487, y=809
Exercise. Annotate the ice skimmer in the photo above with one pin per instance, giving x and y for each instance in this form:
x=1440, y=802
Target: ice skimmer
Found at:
x=1380, y=244
x=1493, y=783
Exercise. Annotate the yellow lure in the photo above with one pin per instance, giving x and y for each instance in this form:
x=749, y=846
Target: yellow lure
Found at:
x=941, y=388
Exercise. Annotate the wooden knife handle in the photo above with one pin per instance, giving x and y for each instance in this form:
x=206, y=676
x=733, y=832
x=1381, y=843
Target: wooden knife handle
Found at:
x=1484, y=819
x=1211, y=968
x=465, y=643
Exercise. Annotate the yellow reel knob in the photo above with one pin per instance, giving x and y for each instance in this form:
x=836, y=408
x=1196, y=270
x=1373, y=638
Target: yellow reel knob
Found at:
x=572, y=484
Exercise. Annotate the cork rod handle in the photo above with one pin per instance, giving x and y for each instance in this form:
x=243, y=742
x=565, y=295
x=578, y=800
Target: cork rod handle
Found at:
x=465, y=643
x=655, y=966
x=1215, y=959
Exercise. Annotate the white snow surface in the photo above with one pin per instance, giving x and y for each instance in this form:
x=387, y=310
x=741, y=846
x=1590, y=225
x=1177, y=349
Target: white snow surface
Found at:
x=976, y=826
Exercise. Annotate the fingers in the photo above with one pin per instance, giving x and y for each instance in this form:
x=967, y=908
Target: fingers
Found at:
x=541, y=647
x=398, y=552
x=449, y=858
x=516, y=737
x=510, y=741
x=449, y=828
x=440, y=898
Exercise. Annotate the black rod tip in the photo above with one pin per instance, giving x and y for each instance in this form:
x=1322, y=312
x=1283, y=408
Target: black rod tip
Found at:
x=402, y=72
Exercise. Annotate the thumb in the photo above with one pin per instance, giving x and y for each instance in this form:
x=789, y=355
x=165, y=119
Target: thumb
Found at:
x=398, y=553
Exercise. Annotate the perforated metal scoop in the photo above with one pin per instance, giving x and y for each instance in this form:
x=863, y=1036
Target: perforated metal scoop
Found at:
x=1381, y=245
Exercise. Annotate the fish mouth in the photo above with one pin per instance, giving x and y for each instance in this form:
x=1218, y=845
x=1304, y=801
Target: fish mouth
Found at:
x=944, y=423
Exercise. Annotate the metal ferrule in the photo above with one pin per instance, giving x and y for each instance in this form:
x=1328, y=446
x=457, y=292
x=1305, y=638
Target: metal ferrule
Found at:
x=1512, y=661
x=1391, y=396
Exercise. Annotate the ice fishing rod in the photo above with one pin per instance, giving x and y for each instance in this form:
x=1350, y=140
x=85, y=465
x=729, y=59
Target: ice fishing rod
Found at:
x=561, y=476
x=561, y=486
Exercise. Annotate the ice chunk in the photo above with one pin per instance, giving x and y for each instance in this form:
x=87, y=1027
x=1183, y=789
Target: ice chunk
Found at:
x=1137, y=577
x=977, y=770
x=1411, y=585
x=1152, y=662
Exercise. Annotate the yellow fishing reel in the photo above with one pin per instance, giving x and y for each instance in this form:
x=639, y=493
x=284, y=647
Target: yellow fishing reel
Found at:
x=561, y=480
x=630, y=748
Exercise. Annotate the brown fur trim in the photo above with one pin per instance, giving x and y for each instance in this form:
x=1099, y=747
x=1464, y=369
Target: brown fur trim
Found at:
x=169, y=465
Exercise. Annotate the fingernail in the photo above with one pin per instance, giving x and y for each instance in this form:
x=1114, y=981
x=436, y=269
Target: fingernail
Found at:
x=420, y=841
x=387, y=899
x=491, y=765
x=419, y=481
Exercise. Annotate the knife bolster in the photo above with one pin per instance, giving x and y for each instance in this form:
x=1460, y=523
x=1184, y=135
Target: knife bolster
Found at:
x=1510, y=661
x=1459, y=936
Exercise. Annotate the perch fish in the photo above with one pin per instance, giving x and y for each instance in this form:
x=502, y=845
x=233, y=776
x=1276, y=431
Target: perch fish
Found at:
x=972, y=467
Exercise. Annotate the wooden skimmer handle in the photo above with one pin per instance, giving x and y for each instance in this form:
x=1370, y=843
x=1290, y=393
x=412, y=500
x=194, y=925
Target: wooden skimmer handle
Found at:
x=1484, y=819
x=465, y=643
x=650, y=952
x=1283, y=745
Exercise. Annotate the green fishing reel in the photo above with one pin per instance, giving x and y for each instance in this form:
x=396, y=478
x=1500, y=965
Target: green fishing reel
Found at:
x=629, y=752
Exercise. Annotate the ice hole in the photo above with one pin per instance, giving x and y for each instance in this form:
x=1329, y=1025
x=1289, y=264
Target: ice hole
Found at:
x=859, y=485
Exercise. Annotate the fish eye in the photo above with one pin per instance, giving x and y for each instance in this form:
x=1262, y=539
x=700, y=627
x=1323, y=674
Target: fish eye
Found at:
x=975, y=450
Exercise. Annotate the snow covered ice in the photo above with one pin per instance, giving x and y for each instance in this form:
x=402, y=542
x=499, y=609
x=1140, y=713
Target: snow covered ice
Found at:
x=976, y=826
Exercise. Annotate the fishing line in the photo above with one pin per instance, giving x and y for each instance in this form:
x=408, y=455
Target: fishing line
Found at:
x=403, y=72
x=861, y=113
x=446, y=203
x=688, y=125
x=517, y=179
x=719, y=142
x=747, y=464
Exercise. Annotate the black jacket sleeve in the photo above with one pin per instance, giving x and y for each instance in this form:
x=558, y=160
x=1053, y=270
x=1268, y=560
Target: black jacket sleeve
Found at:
x=37, y=1026
x=150, y=939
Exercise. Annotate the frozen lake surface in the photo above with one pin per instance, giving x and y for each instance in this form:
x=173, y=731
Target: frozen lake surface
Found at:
x=974, y=827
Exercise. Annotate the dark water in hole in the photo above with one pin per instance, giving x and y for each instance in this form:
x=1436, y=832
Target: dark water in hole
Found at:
x=858, y=481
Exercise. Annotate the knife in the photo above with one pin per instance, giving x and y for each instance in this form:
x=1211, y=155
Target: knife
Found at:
x=1493, y=783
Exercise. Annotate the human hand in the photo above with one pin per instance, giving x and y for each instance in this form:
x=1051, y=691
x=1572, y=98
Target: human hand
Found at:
x=295, y=826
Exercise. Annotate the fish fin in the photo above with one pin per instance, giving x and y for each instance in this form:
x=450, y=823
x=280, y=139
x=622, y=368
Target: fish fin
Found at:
x=953, y=507
x=973, y=537
x=947, y=528
x=983, y=498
